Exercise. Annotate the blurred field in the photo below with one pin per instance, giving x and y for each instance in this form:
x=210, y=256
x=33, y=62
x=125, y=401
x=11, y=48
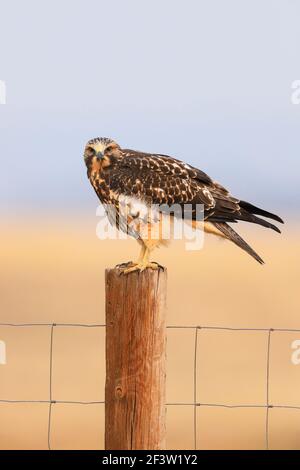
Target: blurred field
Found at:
x=52, y=270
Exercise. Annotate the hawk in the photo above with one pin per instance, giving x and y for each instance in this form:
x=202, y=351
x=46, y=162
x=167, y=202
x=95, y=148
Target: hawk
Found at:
x=129, y=182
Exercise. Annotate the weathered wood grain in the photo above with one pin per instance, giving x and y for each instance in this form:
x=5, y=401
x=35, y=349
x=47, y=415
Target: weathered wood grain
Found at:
x=135, y=411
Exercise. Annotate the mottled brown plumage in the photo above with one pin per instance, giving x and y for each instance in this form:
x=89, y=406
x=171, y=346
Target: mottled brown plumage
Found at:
x=119, y=175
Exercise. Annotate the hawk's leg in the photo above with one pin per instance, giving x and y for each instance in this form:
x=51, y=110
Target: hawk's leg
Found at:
x=130, y=264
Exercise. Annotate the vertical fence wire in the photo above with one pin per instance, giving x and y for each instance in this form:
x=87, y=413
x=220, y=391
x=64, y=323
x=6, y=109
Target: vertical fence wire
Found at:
x=195, y=387
x=268, y=387
x=50, y=385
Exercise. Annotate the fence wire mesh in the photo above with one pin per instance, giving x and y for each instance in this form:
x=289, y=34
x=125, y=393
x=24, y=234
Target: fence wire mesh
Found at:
x=195, y=404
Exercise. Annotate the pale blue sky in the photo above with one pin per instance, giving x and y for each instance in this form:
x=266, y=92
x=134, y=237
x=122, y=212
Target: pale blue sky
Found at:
x=207, y=81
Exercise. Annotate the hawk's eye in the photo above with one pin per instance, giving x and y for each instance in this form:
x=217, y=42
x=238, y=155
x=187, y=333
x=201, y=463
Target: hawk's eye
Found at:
x=90, y=151
x=109, y=148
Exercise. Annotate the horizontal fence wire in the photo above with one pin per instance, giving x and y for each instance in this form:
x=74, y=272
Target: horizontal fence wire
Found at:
x=267, y=406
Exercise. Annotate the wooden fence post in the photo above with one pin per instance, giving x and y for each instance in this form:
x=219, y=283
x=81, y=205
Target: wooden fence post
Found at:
x=135, y=412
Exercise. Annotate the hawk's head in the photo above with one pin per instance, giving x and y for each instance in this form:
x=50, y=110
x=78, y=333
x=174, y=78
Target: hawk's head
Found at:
x=101, y=150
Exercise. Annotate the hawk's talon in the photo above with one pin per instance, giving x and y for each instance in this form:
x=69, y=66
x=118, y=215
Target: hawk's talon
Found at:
x=124, y=265
x=141, y=267
x=159, y=266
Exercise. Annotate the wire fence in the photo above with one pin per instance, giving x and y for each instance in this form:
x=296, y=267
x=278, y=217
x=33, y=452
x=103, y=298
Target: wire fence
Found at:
x=195, y=404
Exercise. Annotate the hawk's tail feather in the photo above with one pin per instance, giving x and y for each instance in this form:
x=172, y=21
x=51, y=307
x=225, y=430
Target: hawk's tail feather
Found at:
x=233, y=236
x=256, y=210
x=245, y=217
x=248, y=217
x=247, y=213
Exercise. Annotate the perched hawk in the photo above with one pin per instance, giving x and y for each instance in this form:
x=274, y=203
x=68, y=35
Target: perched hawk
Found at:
x=129, y=182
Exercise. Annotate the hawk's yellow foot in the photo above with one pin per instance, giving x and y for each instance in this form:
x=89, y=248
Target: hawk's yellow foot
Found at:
x=141, y=266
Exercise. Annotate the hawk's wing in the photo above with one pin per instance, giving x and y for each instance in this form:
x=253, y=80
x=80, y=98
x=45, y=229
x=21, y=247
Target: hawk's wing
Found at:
x=160, y=179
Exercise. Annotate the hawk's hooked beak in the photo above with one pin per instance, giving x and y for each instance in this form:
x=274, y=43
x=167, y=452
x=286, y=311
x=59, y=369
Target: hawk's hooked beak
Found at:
x=100, y=155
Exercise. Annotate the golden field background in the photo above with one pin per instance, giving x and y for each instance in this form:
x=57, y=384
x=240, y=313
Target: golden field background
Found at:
x=52, y=270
